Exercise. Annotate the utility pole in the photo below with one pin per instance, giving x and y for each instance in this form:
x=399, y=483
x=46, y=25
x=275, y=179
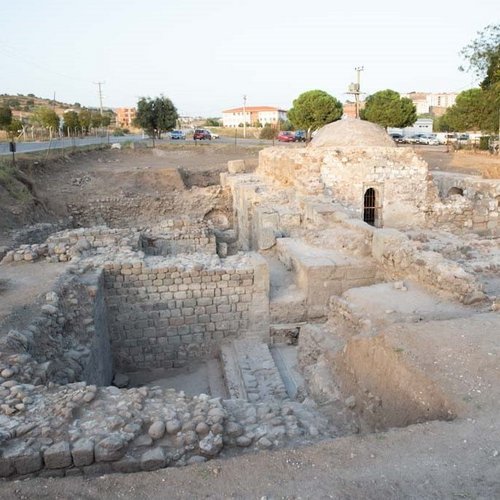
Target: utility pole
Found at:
x=355, y=88
x=99, y=85
x=245, y=116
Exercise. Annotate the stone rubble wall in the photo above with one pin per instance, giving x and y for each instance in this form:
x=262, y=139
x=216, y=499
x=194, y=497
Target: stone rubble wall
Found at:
x=177, y=236
x=140, y=429
x=163, y=313
x=66, y=245
x=477, y=210
x=67, y=342
x=399, y=258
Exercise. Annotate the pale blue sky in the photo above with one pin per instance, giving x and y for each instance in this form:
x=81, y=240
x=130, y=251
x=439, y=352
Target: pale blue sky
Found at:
x=205, y=55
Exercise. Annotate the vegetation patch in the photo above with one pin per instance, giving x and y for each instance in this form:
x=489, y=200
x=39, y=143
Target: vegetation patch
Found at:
x=9, y=180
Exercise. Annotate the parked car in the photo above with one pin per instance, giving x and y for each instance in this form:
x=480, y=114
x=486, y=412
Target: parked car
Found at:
x=300, y=136
x=177, y=135
x=413, y=139
x=201, y=134
x=213, y=134
x=286, y=136
x=430, y=139
x=397, y=137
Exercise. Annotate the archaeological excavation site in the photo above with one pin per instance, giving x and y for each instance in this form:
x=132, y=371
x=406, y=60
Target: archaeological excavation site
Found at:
x=151, y=317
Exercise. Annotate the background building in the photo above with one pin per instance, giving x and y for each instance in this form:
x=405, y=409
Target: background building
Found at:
x=434, y=103
x=251, y=115
x=125, y=116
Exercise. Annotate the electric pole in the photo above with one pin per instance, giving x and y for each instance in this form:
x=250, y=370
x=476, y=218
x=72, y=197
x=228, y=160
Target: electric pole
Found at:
x=355, y=88
x=245, y=116
x=99, y=85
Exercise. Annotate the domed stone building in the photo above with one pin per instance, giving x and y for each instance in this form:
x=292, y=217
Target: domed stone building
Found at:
x=359, y=166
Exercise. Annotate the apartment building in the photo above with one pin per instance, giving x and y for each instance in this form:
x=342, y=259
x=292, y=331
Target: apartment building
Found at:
x=434, y=103
x=125, y=116
x=251, y=115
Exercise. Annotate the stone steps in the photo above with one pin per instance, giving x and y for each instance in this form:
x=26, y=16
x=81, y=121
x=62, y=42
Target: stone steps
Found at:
x=320, y=273
x=251, y=373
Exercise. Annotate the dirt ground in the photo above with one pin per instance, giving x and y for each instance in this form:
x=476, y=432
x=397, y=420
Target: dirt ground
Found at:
x=464, y=162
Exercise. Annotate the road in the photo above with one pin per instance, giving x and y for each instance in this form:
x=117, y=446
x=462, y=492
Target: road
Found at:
x=68, y=142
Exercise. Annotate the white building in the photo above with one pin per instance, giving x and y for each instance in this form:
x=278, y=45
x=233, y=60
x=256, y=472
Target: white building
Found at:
x=421, y=126
x=251, y=115
x=431, y=102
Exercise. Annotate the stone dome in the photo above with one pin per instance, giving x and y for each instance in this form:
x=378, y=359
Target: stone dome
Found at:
x=349, y=132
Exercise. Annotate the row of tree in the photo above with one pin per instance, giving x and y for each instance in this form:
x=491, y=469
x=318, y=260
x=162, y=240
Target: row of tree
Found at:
x=47, y=119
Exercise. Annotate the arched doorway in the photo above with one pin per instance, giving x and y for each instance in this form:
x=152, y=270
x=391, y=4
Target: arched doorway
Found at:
x=369, y=207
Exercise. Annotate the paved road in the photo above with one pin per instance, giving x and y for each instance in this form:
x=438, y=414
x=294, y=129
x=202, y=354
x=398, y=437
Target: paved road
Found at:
x=30, y=147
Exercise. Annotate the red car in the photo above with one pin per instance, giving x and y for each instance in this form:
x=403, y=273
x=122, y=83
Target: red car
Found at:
x=201, y=134
x=285, y=136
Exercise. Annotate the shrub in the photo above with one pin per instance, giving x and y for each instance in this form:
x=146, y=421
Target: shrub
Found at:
x=268, y=132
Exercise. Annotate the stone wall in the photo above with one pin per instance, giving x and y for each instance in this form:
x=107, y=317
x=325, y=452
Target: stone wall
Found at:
x=399, y=258
x=67, y=341
x=398, y=176
x=163, y=313
x=467, y=203
x=177, y=236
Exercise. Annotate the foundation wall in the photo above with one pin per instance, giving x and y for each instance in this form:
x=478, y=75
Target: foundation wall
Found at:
x=163, y=316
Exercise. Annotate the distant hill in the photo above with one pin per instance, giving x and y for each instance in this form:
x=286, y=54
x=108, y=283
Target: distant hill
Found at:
x=24, y=105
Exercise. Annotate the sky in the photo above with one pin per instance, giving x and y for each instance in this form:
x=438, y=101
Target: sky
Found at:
x=206, y=55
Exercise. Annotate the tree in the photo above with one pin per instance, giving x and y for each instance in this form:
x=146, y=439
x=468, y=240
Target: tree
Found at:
x=5, y=117
x=483, y=58
x=483, y=55
x=314, y=109
x=45, y=117
x=71, y=122
x=105, y=120
x=468, y=111
x=389, y=109
x=14, y=128
x=85, y=119
x=155, y=115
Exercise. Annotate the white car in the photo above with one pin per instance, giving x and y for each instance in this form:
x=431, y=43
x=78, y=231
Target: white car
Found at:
x=213, y=134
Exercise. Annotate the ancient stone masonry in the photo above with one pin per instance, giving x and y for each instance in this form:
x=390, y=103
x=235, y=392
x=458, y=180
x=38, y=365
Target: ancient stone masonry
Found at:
x=179, y=236
x=467, y=203
x=163, y=313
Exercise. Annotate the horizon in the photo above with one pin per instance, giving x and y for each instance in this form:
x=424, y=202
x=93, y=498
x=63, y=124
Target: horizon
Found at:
x=206, y=59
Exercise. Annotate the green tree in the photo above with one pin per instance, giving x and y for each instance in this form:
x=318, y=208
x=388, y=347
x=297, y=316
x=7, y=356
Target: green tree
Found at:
x=5, y=117
x=483, y=55
x=14, y=128
x=105, y=120
x=71, y=122
x=85, y=119
x=483, y=59
x=468, y=111
x=389, y=109
x=155, y=116
x=46, y=118
x=314, y=109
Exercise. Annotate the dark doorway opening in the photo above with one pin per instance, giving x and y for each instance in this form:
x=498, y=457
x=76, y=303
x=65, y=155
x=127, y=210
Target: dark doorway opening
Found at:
x=369, y=207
